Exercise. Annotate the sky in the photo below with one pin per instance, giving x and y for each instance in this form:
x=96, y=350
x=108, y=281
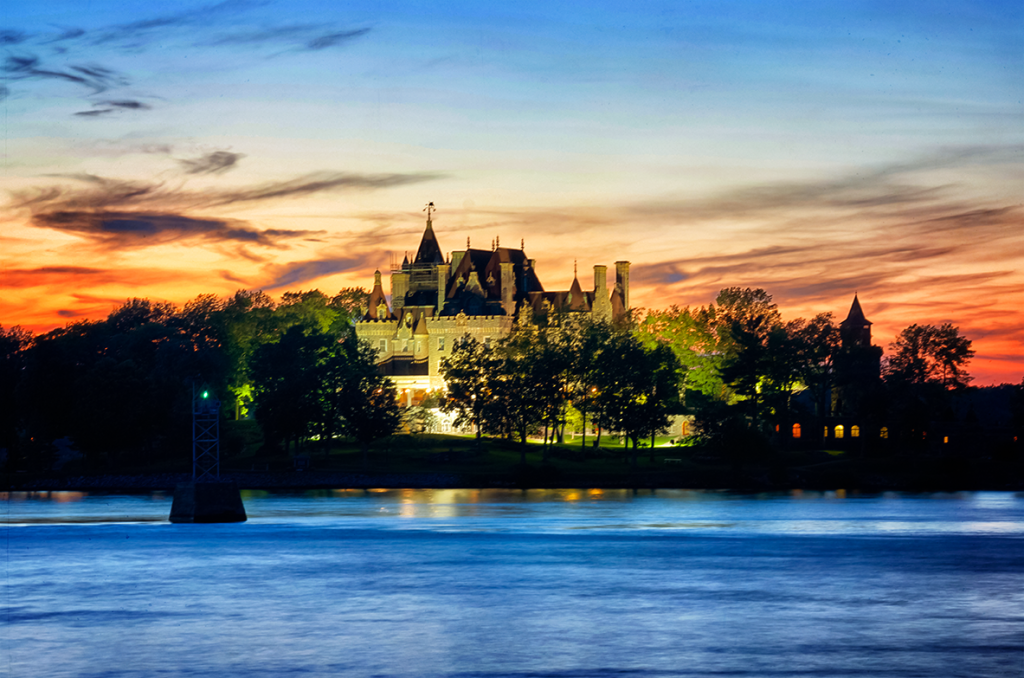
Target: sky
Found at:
x=814, y=149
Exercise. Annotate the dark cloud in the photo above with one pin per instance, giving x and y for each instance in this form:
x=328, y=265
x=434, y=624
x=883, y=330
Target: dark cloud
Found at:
x=316, y=183
x=29, y=67
x=309, y=37
x=220, y=25
x=142, y=229
x=305, y=271
x=104, y=193
x=211, y=163
x=12, y=37
x=65, y=313
x=126, y=104
x=114, y=106
x=333, y=39
x=136, y=34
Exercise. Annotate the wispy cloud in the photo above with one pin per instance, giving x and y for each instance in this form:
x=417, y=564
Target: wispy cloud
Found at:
x=211, y=163
x=145, y=229
x=116, y=213
x=297, y=273
x=220, y=26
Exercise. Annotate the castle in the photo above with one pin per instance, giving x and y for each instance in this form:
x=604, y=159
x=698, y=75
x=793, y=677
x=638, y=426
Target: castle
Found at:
x=436, y=301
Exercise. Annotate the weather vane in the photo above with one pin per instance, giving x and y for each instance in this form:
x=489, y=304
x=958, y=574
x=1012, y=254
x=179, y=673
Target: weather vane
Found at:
x=429, y=209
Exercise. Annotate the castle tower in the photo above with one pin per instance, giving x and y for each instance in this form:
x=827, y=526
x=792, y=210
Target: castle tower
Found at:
x=856, y=329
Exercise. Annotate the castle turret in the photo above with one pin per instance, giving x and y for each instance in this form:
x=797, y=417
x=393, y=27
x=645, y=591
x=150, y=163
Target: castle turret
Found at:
x=856, y=329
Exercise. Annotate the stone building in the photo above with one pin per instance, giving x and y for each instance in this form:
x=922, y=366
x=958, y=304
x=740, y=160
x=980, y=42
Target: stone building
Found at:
x=436, y=300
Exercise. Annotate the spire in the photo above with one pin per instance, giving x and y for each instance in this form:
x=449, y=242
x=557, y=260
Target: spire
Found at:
x=856, y=329
x=377, y=304
x=856, y=315
x=429, y=251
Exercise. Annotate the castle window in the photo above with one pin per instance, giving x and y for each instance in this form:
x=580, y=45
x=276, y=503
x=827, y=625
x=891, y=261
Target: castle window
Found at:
x=383, y=345
x=419, y=345
x=884, y=433
x=839, y=432
x=796, y=430
x=440, y=343
x=855, y=431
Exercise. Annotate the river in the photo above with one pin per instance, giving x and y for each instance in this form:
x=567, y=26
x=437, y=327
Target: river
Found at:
x=489, y=583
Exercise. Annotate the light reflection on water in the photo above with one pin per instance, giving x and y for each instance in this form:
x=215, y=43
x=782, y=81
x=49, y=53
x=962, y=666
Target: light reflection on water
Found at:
x=567, y=583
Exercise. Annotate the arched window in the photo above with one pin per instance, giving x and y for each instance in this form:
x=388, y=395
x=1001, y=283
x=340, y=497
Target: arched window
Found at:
x=796, y=430
x=826, y=431
x=855, y=431
x=839, y=432
x=884, y=433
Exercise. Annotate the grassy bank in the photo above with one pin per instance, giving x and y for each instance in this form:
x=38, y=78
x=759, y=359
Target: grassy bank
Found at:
x=446, y=460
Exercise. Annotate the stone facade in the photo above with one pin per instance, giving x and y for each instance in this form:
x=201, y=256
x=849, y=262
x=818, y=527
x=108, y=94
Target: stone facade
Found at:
x=435, y=301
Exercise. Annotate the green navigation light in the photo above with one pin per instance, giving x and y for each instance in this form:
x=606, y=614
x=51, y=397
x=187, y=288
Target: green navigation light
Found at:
x=206, y=394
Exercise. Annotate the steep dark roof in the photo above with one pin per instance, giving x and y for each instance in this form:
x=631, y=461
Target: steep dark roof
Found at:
x=429, y=251
x=375, y=300
x=856, y=315
x=577, y=299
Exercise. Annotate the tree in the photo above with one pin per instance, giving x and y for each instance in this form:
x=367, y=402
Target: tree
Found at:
x=637, y=387
x=467, y=371
x=14, y=343
x=368, y=402
x=928, y=354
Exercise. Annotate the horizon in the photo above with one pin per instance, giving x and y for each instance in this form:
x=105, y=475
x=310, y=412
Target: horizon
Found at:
x=814, y=152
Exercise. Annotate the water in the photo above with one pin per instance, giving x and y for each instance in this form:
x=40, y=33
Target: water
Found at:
x=503, y=583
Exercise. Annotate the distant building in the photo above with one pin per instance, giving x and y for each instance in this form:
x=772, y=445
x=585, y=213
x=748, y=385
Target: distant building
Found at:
x=436, y=301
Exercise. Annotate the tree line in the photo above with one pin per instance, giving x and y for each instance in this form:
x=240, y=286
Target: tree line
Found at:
x=120, y=388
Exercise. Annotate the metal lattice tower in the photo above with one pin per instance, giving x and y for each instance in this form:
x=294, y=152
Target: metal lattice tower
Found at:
x=205, y=436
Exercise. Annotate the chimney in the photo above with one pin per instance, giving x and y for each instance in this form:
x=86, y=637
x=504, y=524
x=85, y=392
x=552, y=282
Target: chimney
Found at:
x=622, y=278
x=442, y=286
x=508, y=287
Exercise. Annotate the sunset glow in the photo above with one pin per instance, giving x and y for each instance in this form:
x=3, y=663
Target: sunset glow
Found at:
x=816, y=150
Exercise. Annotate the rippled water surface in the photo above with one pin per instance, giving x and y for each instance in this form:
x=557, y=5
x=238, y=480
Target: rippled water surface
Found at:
x=525, y=584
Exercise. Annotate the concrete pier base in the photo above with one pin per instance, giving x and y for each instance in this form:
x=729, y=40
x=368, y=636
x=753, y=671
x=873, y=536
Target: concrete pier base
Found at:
x=207, y=502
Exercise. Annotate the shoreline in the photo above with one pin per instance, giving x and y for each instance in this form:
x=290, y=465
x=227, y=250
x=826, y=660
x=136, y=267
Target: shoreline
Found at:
x=992, y=477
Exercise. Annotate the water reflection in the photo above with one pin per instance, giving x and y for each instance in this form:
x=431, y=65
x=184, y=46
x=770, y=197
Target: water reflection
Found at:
x=557, y=510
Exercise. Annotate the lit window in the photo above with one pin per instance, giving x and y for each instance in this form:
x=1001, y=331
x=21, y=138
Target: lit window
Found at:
x=855, y=431
x=945, y=439
x=440, y=343
x=826, y=432
x=796, y=430
x=839, y=431
x=383, y=345
x=884, y=433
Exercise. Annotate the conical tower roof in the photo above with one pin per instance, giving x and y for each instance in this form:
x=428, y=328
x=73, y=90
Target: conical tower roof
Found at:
x=856, y=315
x=429, y=251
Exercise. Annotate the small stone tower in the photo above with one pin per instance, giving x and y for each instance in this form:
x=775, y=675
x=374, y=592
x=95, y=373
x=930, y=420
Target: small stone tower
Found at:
x=856, y=329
